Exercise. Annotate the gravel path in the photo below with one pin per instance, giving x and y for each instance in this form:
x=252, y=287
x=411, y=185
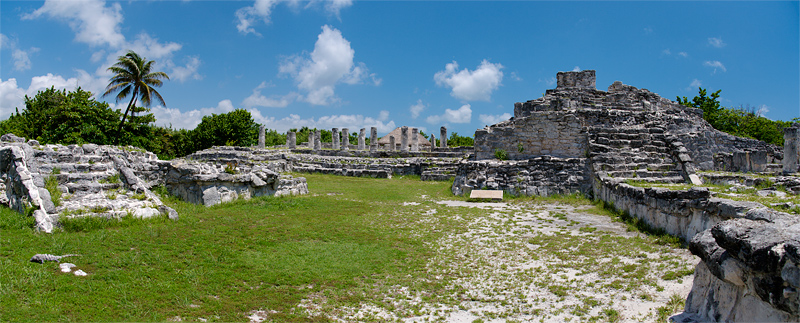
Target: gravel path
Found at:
x=528, y=262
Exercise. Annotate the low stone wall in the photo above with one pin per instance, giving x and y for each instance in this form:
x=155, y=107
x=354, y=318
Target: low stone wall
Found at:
x=204, y=184
x=749, y=270
x=18, y=189
x=543, y=175
x=682, y=213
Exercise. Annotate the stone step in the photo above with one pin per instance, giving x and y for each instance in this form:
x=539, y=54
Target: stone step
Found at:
x=76, y=188
x=636, y=167
x=74, y=167
x=644, y=174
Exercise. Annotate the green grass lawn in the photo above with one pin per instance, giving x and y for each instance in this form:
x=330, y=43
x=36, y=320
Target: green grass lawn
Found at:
x=221, y=262
x=352, y=246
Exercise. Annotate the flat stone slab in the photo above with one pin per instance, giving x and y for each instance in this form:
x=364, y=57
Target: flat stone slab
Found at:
x=486, y=194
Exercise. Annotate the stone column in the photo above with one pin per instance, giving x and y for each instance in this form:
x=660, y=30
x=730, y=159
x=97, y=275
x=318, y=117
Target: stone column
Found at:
x=373, y=139
x=345, y=139
x=392, y=144
x=291, y=140
x=310, y=143
x=335, y=141
x=443, y=137
x=361, y=142
x=404, y=139
x=414, y=139
x=790, y=149
x=433, y=142
x=318, y=140
x=261, y=136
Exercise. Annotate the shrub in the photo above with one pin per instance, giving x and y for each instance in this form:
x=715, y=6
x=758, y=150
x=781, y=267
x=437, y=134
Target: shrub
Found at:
x=500, y=154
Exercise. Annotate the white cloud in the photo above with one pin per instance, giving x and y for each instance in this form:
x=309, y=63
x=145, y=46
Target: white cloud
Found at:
x=22, y=61
x=11, y=97
x=493, y=119
x=189, y=119
x=383, y=116
x=716, y=42
x=683, y=54
x=716, y=65
x=462, y=115
x=762, y=110
x=549, y=82
x=416, y=109
x=330, y=62
x=515, y=77
x=696, y=83
x=248, y=16
x=93, y=22
x=666, y=52
x=576, y=69
x=471, y=85
x=183, y=73
x=261, y=10
x=258, y=100
x=352, y=122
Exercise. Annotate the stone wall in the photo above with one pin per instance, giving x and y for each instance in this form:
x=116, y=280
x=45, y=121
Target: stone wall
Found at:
x=543, y=175
x=557, y=134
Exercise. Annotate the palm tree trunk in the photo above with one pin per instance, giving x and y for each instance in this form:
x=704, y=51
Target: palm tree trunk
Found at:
x=125, y=115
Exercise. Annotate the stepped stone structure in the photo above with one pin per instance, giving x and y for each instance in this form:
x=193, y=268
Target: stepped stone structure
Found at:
x=579, y=139
x=112, y=181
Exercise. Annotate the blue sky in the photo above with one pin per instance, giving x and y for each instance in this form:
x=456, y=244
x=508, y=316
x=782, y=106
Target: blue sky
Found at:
x=422, y=64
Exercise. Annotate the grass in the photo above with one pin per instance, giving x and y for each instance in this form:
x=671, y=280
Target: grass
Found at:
x=351, y=241
x=51, y=185
x=223, y=261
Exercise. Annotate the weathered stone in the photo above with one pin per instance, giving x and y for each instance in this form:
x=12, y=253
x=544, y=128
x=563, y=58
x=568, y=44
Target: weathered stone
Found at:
x=335, y=141
x=392, y=144
x=345, y=139
x=414, y=139
x=317, y=140
x=10, y=137
x=404, y=139
x=261, y=136
x=791, y=153
x=310, y=143
x=443, y=137
x=373, y=139
x=291, y=140
x=361, y=140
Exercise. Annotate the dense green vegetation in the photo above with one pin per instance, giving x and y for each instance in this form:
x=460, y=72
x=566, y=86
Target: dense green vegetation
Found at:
x=742, y=122
x=74, y=117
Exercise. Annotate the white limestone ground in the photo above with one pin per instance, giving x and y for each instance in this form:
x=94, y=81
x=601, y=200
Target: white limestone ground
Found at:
x=528, y=263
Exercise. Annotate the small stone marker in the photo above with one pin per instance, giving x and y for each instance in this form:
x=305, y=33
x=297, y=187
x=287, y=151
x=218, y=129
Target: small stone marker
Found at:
x=392, y=143
x=487, y=194
x=443, y=137
x=695, y=179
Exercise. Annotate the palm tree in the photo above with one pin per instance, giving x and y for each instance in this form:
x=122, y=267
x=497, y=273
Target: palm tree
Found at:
x=133, y=75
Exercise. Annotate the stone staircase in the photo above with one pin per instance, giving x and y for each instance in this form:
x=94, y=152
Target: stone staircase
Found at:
x=439, y=172
x=637, y=153
x=95, y=181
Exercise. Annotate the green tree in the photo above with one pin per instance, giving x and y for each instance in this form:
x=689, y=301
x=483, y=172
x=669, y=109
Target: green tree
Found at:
x=54, y=116
x=235, y=128
x=133, y=75
x=709, y=104
x=741, y=121
x=455, y=140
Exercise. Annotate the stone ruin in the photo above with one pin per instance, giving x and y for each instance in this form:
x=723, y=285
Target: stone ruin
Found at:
x=112, y=181
x=577, y=139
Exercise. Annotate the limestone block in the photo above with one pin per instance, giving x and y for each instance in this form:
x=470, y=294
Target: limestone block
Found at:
x=211, y=196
